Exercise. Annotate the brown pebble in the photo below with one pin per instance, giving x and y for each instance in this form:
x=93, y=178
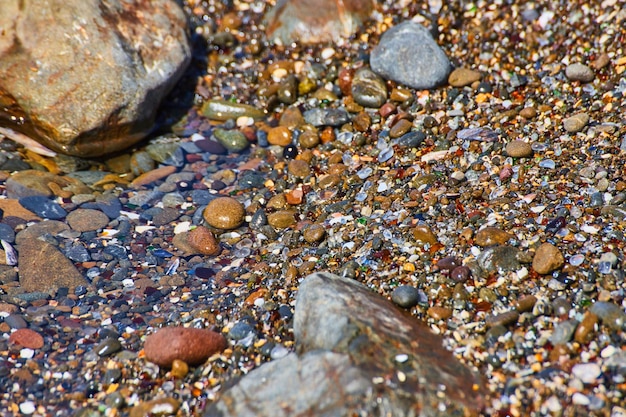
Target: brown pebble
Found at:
x=525, y=303
x=439, y=313
x=191, y=345
x=502, y=319
x=400, y=128
x=179, y=369
x=519, y=149
x=294, y=197
x=291, y=118
x=299, y=168
x=424, y=234
x=313, y=233
x=328, y=135
x=528, y=113
x=547, y=258
x=362, y=122
x=281, y=219
x=329, y=181
x=158, y=407
x=576, y=123
x=277, y=202
x=27, y=338
x=152, y=176
x=584, y=331
x=309, y=140
x=489, y=236
x=280, y=135
x=601, y=61
x=224, y=213
x=203, y=240
x=400, y=95
x=87, y=220
x=461, y=77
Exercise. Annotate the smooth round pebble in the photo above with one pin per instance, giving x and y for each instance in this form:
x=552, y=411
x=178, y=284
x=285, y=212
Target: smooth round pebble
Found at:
x=281, y=219
x=190, y=345
x=576, y=123
x=87, y=220
x=368, y=88
x=299, y=168
x=280, y=136
x=27, y=338
x=519, y=149
x=313, y=233
x=460, y=77
x=203, y=240
x=108, y=347
x=224, y=213
x=588, y=373
x=547, y=258
x=233, y=140
x=180, y=369
x=579, y=72
x=489, y=236
x=405, y=296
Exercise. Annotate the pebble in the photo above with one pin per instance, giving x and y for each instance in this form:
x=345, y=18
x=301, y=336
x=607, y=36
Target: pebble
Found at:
x=180, y=369
x=299, y=168
x=203, y=240
x=326, y=117
x=528, y=113
x=547, y=258
x=576, y=123
x=16, y=321
x=588, y=373
x=157, y=407
x=27, y=338
x=233, y=140
x=503, y=319
x=281, y=219
x=411, y=139
x=579, y=72
x=585, y=329
x=108, y=347
x=408, y=54
x=224, y=213
x=563, y=332
x=43, y=207
x=190, y=345
x=368, y=89
x=460, y=77
x=313, y=233
x=86, y=220
x=460, y=273
x=405, y=296
x=279, y=136
x=152, y=176
x=610, y=314
x=223, y=110
x=519, y=149
x=439, y=313
x=424, y=234
x=489, y=236
x=400, y=128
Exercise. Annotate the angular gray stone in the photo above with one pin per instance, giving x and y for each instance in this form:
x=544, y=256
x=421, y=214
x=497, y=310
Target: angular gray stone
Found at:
x=86, y=76
x=356, y=354
x=408, y=54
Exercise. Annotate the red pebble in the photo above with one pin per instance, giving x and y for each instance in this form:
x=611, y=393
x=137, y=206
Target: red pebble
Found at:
x=190, y=345
x=27, y=338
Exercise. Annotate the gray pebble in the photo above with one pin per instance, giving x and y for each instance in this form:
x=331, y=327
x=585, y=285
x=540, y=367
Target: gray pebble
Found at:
x=563, y=332
x=368, y=89
x=16, y=321
x=108, y=347
x=405, y=296
x=610, y=314
x=576, y=123
x=326, y=117
x=408, y=54
x=579, y=72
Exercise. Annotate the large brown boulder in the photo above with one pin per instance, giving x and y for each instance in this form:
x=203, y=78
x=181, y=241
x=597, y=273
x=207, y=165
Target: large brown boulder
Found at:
x=84, y=77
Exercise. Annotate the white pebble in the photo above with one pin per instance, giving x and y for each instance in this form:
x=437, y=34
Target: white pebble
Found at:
x=587, y=372
x=27, y=353
x=327, y=53
x=580, y=399
x=181, y=227
x=128, y=283
x=608, y=351
x=27, y=407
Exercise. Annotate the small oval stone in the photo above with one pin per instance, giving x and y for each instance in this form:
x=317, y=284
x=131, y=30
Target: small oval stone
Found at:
x=460, y=273
x=368, y=88
x=281, y=219
x=223, y=110
x=424, y=234
x=579, y=72
x=489, y=236
x=461, y=77
x=547, y=258
x=224, y=213
x=405, y=296
x=309, y=140
x=448, y=263
x=313, y=233
x=439, y=313
x=576, y=123
x=203, y=240
x=584, y=331
x=87, y=220
x=233, y=140
x=190, y=345
x=27, y=338
x=108, y=347
x=279, y=135
x=400, y=128
x=528, y=112
x=519, y=149
x=299, y=168
x=502, y=319
x=180, y=369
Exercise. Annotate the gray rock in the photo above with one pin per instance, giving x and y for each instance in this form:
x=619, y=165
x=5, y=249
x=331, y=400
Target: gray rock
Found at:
x=326, y=117
x=88, y=75
x=233, y=140
x=610, y=314
x=576, y=123
x=408, y=54
x=405, y=296
x=357, y=354
x=579, y=72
